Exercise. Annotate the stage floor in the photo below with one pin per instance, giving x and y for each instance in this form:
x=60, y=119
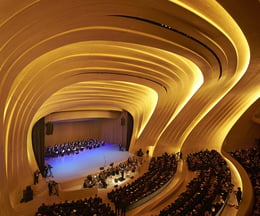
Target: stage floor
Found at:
x=70, y=167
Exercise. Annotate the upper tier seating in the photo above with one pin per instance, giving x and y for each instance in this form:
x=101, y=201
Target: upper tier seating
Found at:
x=250, y=160
x=206, y=194
x=161, y=170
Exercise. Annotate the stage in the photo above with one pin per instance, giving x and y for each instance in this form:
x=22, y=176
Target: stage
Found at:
x=69, y=167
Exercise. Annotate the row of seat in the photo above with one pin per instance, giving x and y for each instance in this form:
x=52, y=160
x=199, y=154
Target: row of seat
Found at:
x=87, y=207
x=161, y=170
x=205, y=195
x=250, y=160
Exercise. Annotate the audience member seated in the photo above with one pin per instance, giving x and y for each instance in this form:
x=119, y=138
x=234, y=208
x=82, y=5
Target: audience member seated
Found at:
x=87, y=207
x=72, y=147
x=161, y=170
x=205, y=194
x=249, y=159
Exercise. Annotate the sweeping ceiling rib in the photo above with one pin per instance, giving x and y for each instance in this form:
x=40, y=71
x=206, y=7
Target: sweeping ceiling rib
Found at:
x=170, y=28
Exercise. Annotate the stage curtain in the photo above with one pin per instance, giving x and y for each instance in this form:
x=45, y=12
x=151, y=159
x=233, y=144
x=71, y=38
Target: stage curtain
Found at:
x=129, y=130
x=38, y=137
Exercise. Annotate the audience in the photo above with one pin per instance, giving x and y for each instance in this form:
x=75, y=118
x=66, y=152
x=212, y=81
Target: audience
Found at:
x=84, y=207
x=161, y=170
x=205, y=194
x=249, y=159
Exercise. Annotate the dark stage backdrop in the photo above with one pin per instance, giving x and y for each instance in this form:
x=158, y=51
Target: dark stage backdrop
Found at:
x=129, y=130
x=38, y=136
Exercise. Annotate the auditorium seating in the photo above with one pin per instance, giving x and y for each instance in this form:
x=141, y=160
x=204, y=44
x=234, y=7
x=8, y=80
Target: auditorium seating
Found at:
x=161, y=170
x=249, y=159
x=87, y=207
x=207, y=193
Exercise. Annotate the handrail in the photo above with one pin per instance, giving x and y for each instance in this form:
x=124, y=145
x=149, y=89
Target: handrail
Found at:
x=150, y=196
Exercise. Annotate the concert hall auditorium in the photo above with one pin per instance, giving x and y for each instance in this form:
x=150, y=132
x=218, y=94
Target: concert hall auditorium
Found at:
x=129, y=108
